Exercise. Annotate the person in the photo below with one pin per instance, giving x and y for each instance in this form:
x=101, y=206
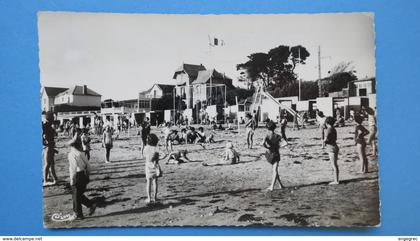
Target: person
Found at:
x=321, y=122
x=373, y=131
x=272, y=143
x=202, y=137
x=255, y=118
x=86, y=142
x=191, y=135
x=340, y=119
x=145, y=131
x=295, y=122
x=242, y=121
x=107, y=141
x=330, y=143
x=79, y=169
x=359, y=140
x=48, y=145
x=250, y=127
x=152, y=167
x=177, y=157
x=283, y=125
x=231, y=156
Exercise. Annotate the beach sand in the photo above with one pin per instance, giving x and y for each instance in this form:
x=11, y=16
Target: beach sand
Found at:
x=230, y=195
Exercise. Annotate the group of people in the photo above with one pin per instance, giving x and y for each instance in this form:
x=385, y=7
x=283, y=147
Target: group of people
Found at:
x=79, y=154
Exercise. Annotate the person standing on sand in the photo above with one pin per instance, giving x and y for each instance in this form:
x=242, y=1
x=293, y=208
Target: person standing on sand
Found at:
x=152, y=167
x=283, y=125
x=330, y=143
x=107, y=141
x=359, y=138
x=272, y=143
x=79, y=177
x=373, y=130
x=250, y=127
x=48, y=145
x=145, y=131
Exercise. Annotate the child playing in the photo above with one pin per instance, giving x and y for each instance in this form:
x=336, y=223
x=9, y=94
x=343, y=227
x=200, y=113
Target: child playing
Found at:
x=359, y=140
x=202, y=137
x=272, y=143
x=330, y=143
x=107, y=141
x=250, y=127
x=86, y=142
x=152, y=167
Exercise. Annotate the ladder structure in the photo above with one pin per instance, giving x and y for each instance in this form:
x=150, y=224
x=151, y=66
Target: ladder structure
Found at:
x=257, y=102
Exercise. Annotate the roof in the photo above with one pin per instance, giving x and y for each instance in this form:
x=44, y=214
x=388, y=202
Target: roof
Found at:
x=191, y=70
x=78, y=90
x=204, y=76
x=53, y=91
x=164, y=88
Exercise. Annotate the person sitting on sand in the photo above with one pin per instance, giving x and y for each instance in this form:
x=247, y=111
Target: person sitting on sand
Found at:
x=177, y=157
x=359, y=140
x=230, y=156
x=330, y=143
x=152, y=167
x=107, y=141
x=250, y=127
x=202, y=137
x=191, y=135
x=272, y=143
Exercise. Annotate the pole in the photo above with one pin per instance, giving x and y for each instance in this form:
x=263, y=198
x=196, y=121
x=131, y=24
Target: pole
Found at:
x=319, y=71
x=173, y=113
x=237, y=112
x=300, y=90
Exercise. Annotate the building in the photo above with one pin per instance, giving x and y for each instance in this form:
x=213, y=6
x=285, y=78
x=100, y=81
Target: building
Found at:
x=363, y=87
x=158, y=91
x=198, y=88
x=78, y=104
x=77, y=98
x=48, y=95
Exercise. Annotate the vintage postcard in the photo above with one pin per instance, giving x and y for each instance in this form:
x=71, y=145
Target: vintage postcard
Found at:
x=208, y=120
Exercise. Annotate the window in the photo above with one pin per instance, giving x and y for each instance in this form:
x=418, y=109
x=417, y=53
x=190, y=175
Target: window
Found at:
x=154, y=93
x=363, y=92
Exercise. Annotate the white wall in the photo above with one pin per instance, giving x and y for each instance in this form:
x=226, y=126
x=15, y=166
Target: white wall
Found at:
x=152, y=91
x=269, y=109
x=326, y=105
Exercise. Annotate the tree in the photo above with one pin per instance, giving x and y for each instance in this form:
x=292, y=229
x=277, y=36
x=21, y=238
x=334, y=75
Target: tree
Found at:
x=309, y=90
x=231, y=95
x=275, y=68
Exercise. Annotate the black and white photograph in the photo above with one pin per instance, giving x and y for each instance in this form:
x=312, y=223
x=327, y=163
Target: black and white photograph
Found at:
x=259, y=120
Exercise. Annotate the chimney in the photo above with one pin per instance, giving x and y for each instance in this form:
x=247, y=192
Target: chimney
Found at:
x=84, y=89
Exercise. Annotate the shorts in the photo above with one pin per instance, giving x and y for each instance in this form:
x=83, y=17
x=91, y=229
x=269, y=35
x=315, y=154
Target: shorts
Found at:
x=48, y=154
x=272, y=157
x=108, y=146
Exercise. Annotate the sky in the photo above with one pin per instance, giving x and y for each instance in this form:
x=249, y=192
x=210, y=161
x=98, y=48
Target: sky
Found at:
x=119, y=55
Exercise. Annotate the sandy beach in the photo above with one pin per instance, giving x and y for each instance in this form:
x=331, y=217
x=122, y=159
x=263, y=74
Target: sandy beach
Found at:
x=230, y=195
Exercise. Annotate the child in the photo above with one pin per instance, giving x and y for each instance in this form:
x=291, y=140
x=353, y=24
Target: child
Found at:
x=330, y=143
x=359, y=140
x=272, y=143
x=321, y=121
x=152, y=167
x=79, y=177
x=231, y=156
x=107, y=141
x=250, y=127
x=177, y=157
x=86, y=142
